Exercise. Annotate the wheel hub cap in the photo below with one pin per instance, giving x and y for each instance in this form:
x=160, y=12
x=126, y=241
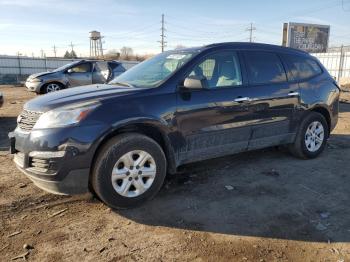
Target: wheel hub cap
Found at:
x=133, y=173
x=314, y=136
x=53, y=88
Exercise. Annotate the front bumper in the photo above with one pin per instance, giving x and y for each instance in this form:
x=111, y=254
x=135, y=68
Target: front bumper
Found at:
x=76, y=182
x=33, y=86
x=56, y=160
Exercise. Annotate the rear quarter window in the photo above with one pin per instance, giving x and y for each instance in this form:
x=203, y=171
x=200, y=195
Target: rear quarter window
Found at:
x=302, y=67
x=264, y=67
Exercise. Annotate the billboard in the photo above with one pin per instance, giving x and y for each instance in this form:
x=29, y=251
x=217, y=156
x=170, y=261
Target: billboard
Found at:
x=308, y=37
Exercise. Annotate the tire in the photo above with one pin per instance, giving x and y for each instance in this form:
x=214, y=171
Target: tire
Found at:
x=114, y=156
x=302, y=148
x=52, y=87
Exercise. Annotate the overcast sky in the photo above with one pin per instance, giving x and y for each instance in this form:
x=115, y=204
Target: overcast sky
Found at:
x=27, y=26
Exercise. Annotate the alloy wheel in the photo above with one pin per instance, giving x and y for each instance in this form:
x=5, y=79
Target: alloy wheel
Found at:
x=314, y=136
x=133, y=173
x=52, y=88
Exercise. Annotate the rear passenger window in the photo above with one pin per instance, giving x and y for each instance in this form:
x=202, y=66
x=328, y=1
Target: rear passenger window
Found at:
x=264, y=68
x=302, y=67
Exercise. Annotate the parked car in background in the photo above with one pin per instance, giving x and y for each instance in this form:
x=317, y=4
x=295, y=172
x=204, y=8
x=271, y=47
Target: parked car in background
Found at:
x=1, y=99
x=79, y=73
x=121, y=139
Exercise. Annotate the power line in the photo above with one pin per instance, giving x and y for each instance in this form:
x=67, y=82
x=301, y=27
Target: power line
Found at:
x=343, y=7
x=137, y=31
x=251, y=29
x=221, y=28
x=162, y=35
x=131, y=35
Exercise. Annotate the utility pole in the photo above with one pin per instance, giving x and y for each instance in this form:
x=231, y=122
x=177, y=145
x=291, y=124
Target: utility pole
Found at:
x=42, y=53
x=54, y=50
x=251, y=29
x=162, y=35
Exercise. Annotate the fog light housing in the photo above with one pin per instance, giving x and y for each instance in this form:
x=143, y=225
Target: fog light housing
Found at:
x=47, y=154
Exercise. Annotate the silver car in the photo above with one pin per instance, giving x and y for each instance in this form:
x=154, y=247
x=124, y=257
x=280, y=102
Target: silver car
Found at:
x=84, y=72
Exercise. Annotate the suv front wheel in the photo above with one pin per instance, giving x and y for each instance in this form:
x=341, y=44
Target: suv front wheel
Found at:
x=129, y=169
x=311, y=137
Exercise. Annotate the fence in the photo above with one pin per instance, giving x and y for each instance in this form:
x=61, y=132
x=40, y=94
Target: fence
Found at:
x=14, y=69
x=337, y=62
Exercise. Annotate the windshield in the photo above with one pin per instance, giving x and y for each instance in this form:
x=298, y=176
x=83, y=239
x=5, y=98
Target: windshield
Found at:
x=153, y=71
x=65, y=66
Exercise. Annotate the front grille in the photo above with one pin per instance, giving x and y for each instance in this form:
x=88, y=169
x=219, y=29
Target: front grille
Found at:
x=27, y=119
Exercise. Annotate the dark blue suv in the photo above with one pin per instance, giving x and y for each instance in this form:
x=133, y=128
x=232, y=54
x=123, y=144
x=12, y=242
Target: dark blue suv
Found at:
x=120, y=139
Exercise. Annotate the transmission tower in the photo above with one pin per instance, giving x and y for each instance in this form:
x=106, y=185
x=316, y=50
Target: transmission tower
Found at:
x=251, y=29
x=54, y=48
x=71, y=46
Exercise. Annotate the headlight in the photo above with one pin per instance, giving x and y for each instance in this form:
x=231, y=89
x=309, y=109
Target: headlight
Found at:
x=36, y=80
x=65, y=116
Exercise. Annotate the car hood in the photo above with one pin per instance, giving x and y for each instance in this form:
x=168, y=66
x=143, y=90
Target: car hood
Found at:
x=39, y=74
x=74, y=95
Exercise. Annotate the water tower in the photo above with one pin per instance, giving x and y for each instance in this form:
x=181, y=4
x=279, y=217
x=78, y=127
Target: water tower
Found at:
x=96, y=44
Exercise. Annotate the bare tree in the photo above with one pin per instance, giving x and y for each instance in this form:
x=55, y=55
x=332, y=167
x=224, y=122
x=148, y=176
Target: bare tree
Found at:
x=66, y=54
x=179, y=46
x=113, y=54
x=126, y=53
x=71, y=54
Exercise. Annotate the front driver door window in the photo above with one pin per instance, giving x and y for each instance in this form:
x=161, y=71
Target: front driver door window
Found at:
x=210, y=120
x=80, y=74
x=220, y=70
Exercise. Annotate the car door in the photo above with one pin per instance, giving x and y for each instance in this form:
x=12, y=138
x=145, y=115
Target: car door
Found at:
x=80, y=74
x=272, y=100
x=116, y=69
x=212, y=121
x=100, y=72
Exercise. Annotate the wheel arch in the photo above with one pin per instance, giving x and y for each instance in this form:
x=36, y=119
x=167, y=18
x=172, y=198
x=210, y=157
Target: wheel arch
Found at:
x=325, y=113
x=150, y=129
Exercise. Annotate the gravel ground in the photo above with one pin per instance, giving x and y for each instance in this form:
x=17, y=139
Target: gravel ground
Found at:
x=263, y=205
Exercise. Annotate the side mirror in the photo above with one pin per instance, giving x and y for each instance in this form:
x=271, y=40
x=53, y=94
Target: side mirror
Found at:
x=195, y=82
x=70, y=70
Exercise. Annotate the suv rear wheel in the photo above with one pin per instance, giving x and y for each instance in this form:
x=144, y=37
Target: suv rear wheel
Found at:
x=311, y=137
x=129, y=169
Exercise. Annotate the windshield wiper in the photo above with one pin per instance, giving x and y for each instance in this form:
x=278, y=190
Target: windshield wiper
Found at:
x=121, y=83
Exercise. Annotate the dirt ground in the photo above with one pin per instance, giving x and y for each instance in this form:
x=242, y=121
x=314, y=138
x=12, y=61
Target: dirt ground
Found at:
x=259, y=206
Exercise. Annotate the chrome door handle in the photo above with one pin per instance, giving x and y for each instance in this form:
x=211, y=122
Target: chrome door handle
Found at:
x=293, y=93
x=242, y=99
